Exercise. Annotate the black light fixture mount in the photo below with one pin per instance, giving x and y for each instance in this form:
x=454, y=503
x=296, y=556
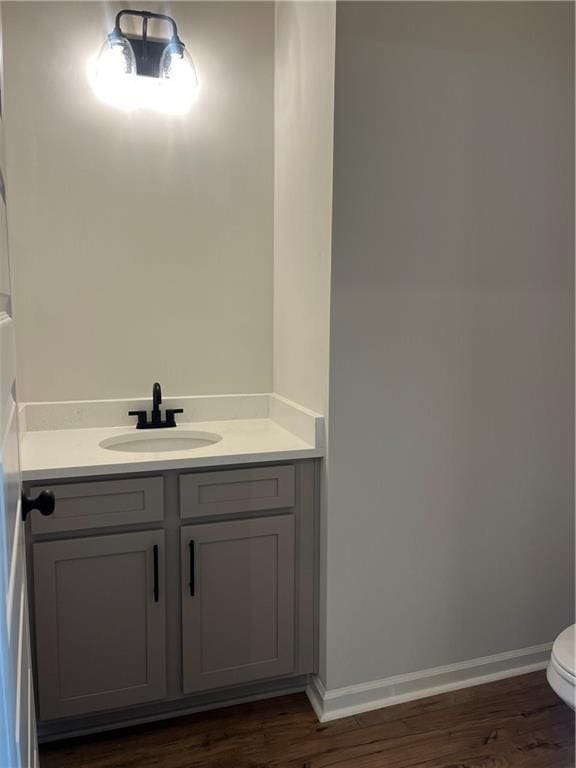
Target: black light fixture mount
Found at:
x=147, y=50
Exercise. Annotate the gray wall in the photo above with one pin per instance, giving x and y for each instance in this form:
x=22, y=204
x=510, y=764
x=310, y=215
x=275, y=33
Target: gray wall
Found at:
x=141, y=243
x=451, y=461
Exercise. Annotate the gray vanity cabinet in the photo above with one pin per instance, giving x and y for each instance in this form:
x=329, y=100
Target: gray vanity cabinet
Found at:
x=237, y=601
x=157, y=594
x=100, y=622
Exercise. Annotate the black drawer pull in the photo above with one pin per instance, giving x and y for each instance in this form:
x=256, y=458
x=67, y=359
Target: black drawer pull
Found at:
x=192, y=569
x=156, y=586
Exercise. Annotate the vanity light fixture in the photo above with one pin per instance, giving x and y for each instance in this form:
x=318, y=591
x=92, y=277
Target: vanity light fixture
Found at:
x=141, y=71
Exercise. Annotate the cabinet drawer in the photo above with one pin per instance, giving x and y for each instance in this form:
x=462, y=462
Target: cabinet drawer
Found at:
x=101, y=503
x=236, y=491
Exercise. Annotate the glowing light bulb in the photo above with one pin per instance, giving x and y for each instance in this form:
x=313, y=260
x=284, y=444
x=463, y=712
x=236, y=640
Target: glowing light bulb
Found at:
x=178, y=79
x=116, y=72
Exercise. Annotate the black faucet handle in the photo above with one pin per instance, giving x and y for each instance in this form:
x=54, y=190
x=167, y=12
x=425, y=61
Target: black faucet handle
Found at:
x=170, y=413
x=142, y=418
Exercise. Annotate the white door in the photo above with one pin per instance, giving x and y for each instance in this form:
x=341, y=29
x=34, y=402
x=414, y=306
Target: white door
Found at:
x=18, y=745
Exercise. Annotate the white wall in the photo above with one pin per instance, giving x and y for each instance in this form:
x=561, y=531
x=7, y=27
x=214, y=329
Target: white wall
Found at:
x=304, y=114
x=303, y=154
x=142, y=244
x=450, y=508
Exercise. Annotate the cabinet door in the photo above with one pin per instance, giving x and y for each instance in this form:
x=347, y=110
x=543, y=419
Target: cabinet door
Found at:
x=100, y=622
x=237, y=601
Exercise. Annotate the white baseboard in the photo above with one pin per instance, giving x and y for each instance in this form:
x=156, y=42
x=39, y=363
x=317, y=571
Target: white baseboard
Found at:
x=354, y=699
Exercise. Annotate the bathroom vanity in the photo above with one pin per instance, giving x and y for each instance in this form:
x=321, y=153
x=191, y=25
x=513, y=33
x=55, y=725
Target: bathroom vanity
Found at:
x=160, y=592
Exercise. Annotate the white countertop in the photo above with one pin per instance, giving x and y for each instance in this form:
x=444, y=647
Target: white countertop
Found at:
x=48, y=454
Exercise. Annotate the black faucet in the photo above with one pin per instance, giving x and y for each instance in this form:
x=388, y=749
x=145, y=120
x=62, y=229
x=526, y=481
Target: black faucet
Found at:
x=156, y=415
x=156, y=400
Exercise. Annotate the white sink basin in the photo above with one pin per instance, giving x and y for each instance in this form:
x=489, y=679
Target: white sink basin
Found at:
x=160, y=442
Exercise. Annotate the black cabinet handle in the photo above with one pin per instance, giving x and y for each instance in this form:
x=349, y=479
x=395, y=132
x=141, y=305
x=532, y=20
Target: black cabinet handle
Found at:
x=192, y=569
x=156, y=585
x=44, y=503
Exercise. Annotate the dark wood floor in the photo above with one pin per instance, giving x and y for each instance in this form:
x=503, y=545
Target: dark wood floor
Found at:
x=517, y=722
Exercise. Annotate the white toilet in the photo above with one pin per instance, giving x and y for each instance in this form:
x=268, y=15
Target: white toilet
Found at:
x=561, y=671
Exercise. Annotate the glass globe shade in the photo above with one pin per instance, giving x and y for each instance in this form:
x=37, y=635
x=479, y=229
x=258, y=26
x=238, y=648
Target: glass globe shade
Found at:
x=116, y=72
x=178, y=79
